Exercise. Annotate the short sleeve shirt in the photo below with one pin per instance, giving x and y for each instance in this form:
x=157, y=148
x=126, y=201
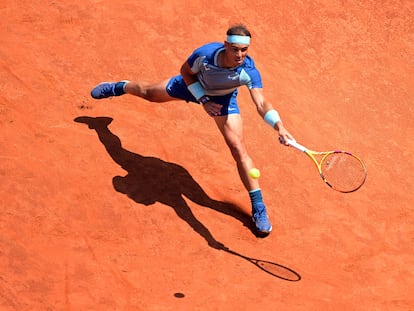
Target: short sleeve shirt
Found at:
x=218, y=81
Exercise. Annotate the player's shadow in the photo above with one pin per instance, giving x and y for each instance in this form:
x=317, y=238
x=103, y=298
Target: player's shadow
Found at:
x=151, y=180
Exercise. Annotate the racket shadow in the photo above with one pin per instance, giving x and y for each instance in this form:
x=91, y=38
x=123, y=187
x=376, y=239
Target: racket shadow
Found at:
x=271, y=268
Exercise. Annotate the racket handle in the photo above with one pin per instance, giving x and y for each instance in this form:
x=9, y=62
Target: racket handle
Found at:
x=296, y=145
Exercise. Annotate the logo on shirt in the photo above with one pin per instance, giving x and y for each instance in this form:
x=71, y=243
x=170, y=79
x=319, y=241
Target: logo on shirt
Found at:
x=234, y=76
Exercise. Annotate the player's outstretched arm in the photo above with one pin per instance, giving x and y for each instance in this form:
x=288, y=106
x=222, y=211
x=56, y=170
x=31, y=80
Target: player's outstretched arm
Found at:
x=269, y=114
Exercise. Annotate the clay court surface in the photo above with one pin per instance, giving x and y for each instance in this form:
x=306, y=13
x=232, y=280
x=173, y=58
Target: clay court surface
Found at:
x=121, y=204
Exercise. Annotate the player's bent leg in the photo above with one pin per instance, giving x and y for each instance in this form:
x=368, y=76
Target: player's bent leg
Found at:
x=152, y=92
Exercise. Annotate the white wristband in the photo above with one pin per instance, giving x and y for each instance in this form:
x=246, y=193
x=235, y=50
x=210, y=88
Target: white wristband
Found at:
x=196, y=89
x=272, y=117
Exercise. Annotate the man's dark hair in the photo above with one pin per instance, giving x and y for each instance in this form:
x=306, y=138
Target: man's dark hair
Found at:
x=238, y=29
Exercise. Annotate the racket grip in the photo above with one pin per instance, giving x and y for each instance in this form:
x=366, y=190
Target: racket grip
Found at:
x=296, y=145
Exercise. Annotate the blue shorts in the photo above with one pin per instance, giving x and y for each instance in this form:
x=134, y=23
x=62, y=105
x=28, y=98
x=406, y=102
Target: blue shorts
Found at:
x=177, y=88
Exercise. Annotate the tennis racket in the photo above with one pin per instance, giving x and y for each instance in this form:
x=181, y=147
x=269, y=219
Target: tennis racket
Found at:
x=340, y=170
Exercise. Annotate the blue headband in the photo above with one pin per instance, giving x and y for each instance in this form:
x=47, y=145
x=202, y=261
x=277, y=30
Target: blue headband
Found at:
x=238, y=39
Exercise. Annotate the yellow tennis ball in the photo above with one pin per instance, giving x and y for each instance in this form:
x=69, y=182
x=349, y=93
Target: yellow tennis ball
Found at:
x=254, y=173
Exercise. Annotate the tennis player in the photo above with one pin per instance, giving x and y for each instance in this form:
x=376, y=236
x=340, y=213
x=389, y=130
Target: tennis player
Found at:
x=210, y=77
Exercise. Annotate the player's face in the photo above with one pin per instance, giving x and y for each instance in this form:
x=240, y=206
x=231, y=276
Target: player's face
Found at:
x=235, y=53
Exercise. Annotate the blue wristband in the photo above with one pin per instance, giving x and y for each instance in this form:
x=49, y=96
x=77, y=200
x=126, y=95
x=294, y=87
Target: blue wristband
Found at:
x=196, y=89
x=272, y=117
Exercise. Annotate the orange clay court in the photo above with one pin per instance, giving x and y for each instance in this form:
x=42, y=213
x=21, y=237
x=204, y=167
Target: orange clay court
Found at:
x=91, y=190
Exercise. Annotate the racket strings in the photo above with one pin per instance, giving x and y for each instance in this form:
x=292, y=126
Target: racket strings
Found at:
x=343, y=171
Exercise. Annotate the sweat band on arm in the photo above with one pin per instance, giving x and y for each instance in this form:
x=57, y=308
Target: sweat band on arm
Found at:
x=272, y=117
x=196, y=89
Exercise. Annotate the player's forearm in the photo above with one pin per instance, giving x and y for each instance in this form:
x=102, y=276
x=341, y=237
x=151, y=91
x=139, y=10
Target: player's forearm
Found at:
x=263, y=108
x=279, y=126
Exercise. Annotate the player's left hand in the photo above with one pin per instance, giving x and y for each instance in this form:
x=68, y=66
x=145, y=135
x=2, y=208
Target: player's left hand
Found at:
x=213, y=109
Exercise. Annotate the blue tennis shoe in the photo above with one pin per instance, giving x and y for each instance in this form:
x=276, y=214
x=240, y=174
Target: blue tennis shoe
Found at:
x=261, y=219
x=108, y=89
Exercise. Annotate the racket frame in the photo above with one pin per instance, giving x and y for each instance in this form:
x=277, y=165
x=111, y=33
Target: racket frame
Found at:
x=323, y=154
